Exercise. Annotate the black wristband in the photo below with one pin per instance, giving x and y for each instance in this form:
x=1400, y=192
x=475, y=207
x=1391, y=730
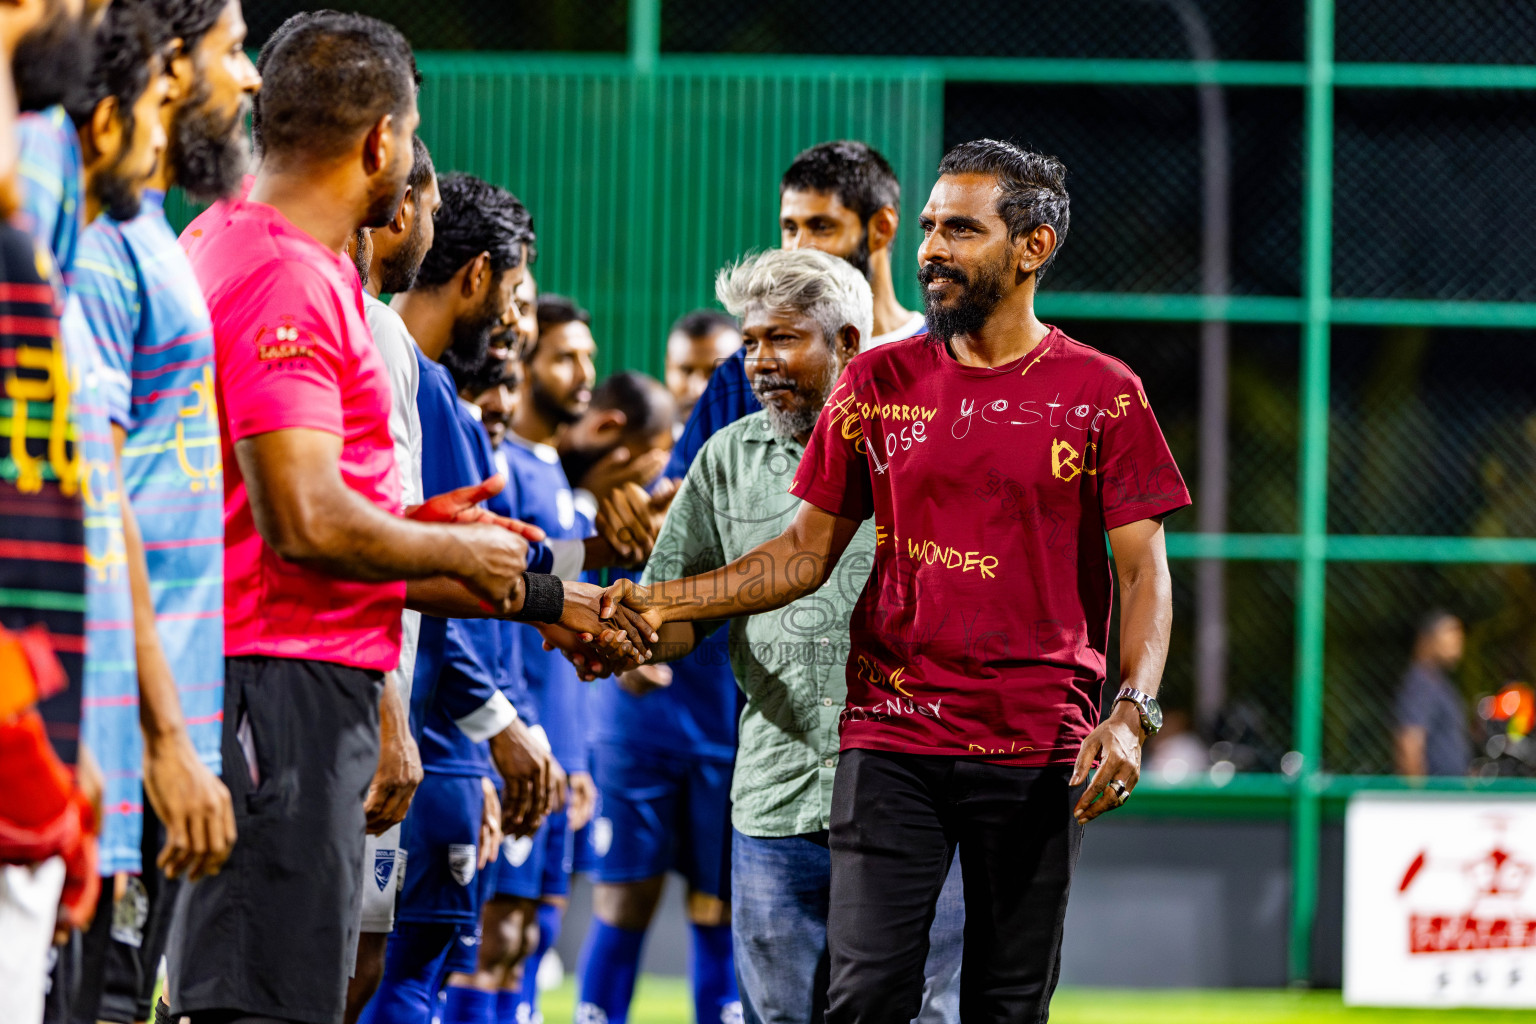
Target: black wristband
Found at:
x=543, y=598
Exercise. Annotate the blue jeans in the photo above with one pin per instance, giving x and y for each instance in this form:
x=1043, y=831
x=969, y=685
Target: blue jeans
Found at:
x=780, y=889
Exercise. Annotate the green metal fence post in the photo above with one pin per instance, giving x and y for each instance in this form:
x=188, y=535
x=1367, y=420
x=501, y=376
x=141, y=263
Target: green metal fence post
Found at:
x=1306, y=809
x=644, y=34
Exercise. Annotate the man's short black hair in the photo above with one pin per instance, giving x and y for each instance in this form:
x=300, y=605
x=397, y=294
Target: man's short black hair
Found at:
x=1033, y=187
x=475, y=217
x=188, y=20
x=276, y=39
x=646, y=404
x=421, y=166
x=328, y=80
x=853, y=171
x=554, y=310
x=702, y=323
x=126, y=44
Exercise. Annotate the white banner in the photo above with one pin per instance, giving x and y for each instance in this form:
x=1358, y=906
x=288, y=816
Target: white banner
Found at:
x=1440, y=901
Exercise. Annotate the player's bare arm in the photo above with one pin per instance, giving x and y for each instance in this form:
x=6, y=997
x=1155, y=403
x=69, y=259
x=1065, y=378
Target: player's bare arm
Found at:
x=189, y=798
x=399, y=772
x=785, y=569
x=1146, y=617
x=307, y=513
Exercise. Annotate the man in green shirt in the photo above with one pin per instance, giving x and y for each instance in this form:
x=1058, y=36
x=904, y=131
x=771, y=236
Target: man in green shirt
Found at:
x=804, y=315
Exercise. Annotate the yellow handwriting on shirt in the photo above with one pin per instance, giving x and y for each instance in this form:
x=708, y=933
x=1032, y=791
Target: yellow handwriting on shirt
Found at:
x=206, y=405
x=933, y=553
x=53, y=387
x=870, y=672
x=1066, y=462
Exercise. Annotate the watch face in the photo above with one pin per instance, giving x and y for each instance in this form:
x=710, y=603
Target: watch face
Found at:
x=1154, y=712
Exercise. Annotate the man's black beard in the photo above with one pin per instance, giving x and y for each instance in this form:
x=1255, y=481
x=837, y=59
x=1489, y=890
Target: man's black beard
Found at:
x=465, y=355
x=549, y=408
x=397, y=272
x=120, y=196
x=972, y=307
x=578, y=461
x=209, y=154
x=802, y=418
x=859, y=258
x=50, y=60
x=360, y=255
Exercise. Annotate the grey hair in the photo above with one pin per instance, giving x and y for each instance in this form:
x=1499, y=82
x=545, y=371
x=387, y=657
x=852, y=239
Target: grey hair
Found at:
x=806, y=282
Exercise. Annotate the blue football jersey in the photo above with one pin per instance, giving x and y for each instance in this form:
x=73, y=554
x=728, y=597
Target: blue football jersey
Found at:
x=456, y=659
x=545, y=500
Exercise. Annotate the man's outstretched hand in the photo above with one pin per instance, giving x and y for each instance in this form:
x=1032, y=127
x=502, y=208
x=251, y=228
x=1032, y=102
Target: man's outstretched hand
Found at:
x=630, y=518
x=1116, y=745
x=462, y=505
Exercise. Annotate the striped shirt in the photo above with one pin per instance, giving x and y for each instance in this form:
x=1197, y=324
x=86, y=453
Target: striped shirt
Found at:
x=42, y=531
x=51, y=178
x=109, y=715
x=151, y=328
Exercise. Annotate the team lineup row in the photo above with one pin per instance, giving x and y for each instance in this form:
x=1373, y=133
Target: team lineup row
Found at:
x=310, y=669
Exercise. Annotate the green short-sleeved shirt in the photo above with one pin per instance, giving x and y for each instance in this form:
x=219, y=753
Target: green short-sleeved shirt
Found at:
x=790, y=663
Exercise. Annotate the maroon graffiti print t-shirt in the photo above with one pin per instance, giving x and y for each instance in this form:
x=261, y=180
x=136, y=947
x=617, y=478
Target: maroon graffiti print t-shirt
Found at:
x=983, y=627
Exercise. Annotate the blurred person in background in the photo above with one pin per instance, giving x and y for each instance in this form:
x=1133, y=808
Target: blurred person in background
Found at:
x=843, y=199
x=151, y=328
x=697, y=343
x=48, y=813
x=1432, y=736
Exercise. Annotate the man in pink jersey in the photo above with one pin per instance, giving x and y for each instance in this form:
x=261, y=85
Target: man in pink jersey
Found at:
x=316, y=553
x=994, y=453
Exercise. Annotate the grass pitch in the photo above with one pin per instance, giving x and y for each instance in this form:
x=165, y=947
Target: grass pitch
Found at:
x=661, y=1000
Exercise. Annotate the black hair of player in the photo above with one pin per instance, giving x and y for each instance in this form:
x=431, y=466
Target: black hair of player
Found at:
x=853, y=171
x=474, y=217
x=421, y=167
x=279, y=34
x=702, y=323
x=1032, y=187
x=329, y=80
x=188, y=20
x=554, y=310
x=125, y=57
x=644, y=401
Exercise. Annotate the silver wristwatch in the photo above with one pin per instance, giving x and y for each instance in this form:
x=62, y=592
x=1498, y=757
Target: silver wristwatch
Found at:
x=1151, y=711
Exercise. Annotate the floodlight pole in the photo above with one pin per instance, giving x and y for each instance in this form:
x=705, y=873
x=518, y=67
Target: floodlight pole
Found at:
x=1215, y=346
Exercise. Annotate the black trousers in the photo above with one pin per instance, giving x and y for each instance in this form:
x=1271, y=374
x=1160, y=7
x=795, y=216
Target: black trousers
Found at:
x=896, y=820
x=270, y=936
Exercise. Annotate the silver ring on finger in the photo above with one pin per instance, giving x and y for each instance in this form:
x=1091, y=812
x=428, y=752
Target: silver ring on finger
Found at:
x=1120, y=790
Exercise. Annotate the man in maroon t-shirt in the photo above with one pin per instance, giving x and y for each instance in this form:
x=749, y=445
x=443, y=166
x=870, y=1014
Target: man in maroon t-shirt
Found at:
x=994, y=453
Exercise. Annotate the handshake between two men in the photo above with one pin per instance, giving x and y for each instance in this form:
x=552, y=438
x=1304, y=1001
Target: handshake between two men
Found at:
x=491, y=579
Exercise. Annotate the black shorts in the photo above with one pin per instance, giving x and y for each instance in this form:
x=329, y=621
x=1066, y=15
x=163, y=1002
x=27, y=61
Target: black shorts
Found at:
x=272, y=934
x=121, y=951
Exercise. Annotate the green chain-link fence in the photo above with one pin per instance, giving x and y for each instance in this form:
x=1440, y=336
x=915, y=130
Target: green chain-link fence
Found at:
x=1331, y=195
